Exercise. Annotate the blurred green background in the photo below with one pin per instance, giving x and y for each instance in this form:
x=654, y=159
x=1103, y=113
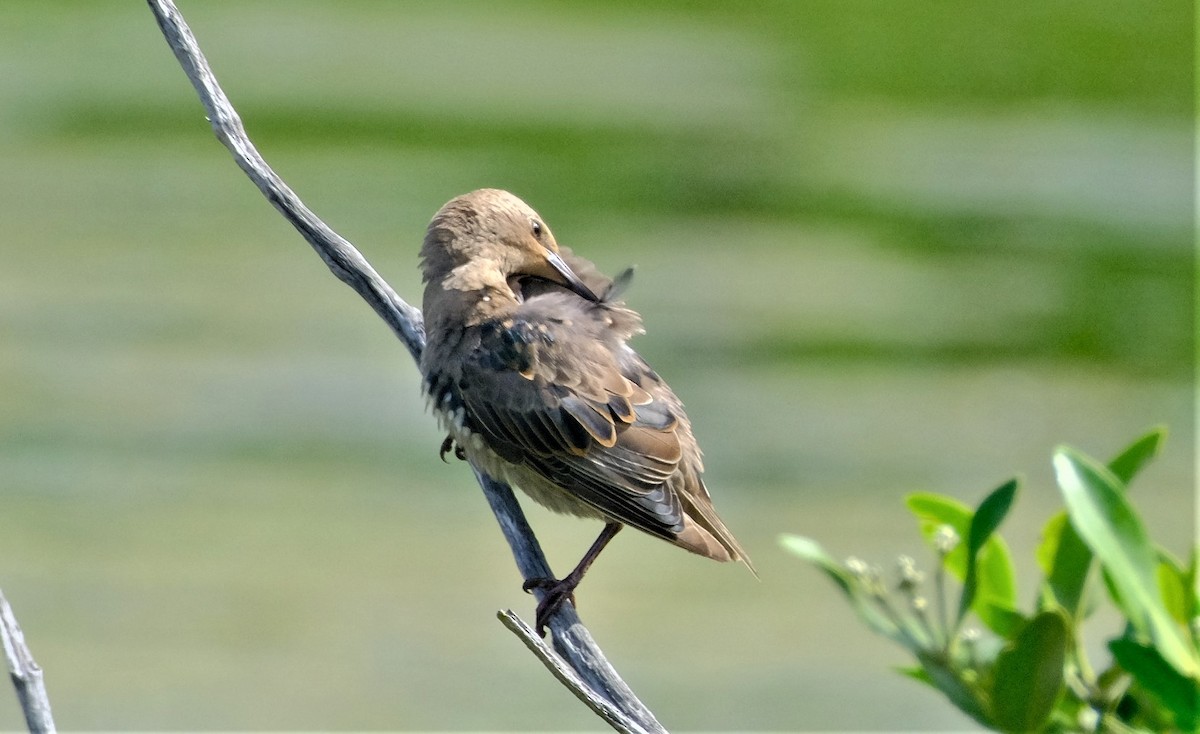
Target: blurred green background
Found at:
x=882, y=247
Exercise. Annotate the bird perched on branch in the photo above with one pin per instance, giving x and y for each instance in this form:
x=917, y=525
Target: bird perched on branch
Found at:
x=526, y=366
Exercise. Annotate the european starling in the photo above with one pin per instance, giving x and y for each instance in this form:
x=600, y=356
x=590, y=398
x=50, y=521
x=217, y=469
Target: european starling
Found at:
x=526, y=366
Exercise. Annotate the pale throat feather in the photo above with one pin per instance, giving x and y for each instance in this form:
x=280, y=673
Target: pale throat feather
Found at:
x=467, y=296
x=476, y=275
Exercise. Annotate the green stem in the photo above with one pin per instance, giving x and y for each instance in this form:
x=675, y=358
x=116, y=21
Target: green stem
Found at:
x=939, y=582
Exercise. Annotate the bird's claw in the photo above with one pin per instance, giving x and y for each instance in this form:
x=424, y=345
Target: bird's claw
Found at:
x=449, y=444
x=556, y=592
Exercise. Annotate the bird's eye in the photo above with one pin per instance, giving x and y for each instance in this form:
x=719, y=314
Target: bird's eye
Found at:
x=537, y=228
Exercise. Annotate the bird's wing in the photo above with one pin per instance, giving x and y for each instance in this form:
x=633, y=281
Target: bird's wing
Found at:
x=552, y=390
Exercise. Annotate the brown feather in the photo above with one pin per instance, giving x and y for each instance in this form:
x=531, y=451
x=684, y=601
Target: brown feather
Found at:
x=544, y=378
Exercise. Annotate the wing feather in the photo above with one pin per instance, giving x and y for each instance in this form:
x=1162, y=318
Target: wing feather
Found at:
x=597, y=420
x=570, y=409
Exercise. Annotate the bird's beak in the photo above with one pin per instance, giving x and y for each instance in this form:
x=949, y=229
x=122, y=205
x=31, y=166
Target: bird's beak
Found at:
x=569, y=279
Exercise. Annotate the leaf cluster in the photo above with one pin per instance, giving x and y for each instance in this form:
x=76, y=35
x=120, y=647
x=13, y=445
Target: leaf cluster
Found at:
x=1030, y=670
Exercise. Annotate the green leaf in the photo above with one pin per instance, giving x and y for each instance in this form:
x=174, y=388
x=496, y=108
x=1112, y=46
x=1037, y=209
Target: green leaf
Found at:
x=917, y=673
x=1051, y=541
x=1029, y=674
x=962, y=694
x=996, y=595
x=1114, y=532
x=1003, y=620
x=1172, y=584
x=1068, y=563
x=1190, y=588
x=812, y=552
x=1139, y=453
x=1064, y=557
x=1176, y=692
x=987, y=518
x=934, y=510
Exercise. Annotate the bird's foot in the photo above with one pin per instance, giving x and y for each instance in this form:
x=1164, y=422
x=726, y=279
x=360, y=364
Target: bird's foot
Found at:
x=449, y=444
x=556, y=592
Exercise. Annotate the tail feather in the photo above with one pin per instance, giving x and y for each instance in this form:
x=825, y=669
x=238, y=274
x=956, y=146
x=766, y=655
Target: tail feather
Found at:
x=705, y=533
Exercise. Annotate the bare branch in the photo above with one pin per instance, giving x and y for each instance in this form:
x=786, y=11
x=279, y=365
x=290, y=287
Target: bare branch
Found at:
x=569, y=678
x=594, y=679
x=342, y=258
x=26, y=674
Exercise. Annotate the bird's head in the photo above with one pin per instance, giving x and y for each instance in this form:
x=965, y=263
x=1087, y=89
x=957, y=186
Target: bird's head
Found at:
x=489, y=237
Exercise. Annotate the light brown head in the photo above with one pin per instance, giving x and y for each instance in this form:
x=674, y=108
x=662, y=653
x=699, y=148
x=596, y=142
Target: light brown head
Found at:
x=481, y=246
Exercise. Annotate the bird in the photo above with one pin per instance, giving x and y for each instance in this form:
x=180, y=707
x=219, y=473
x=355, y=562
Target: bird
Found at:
x=528, y=369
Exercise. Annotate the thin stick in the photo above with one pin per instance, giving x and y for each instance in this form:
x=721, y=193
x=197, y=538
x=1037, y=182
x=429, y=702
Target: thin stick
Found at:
x=342, y=258
x=571, y=639
x=26, y=674
x=568, y=677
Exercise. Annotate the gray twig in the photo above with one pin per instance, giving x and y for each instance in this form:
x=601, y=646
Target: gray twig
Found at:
x=26, y=674
x=616, y=717
x=592, y=679
x=342, y=258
